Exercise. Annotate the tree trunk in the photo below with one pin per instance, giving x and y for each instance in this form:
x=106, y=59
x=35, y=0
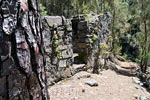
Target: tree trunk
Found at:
x=145, y=49
x=113, y=27
x=22, y=71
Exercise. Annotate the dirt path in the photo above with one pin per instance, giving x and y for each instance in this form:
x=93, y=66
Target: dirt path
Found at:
x=112, y=86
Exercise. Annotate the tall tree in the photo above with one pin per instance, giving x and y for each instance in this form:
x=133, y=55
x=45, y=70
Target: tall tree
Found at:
x=145, y=48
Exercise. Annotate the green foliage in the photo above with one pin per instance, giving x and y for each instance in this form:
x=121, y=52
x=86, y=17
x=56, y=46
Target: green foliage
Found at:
x=125, y=56
x=130, y=22
x=94, y=37
x=68, y=8
x=104, y=49
x=145, y=56
x=117, y=50
x=87, y=18
x=43, y=10
x=59, y=55
x=55, y=45
x=86, y=67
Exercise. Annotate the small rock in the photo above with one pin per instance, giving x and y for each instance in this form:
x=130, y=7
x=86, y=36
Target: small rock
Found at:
x=83, y=90
x=76, y=98
x=143, y=98
x=136, y=87
x=92, y=83
x=136, y=97
x=84, y=76
x=136, y=80
x=141, y=84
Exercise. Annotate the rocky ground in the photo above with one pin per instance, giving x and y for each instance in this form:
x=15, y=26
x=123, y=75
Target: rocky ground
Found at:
x=108, y=85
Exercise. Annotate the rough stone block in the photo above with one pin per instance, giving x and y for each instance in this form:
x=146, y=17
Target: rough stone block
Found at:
x=62, y=47
x=54, y=20
x=67, y=53
x=67, y=72
x=62, y=63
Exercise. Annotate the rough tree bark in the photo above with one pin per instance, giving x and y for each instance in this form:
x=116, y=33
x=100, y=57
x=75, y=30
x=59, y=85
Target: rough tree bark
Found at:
x=22, y=73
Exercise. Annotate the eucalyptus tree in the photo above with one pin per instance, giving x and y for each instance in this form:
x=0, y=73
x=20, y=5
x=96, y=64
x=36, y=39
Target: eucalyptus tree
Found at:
x=22, y=65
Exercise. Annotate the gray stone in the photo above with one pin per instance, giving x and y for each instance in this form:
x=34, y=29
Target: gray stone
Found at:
x=136, y=80
x=143, y=98
x=84, y=76
x=92, y=83
x=62, y=63
x=112, y=66
x=54, y=60
x=62, y=47
x=78, y=68
x=54, y=20
x=67, y=53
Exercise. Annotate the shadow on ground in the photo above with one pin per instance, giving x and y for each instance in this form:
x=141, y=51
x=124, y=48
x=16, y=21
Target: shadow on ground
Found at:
x=125, y=73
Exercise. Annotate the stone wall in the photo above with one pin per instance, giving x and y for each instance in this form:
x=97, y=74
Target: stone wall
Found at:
x=91, y=38
x=58, y=48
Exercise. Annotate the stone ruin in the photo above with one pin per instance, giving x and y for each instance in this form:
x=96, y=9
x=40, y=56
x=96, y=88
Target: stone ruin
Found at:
x=58, y=48
x=87, y=32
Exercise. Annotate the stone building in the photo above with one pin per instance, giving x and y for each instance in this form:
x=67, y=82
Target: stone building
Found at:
x=91, y=36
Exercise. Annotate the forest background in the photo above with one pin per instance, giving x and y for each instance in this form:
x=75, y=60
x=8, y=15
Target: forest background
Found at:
x=130, y=23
